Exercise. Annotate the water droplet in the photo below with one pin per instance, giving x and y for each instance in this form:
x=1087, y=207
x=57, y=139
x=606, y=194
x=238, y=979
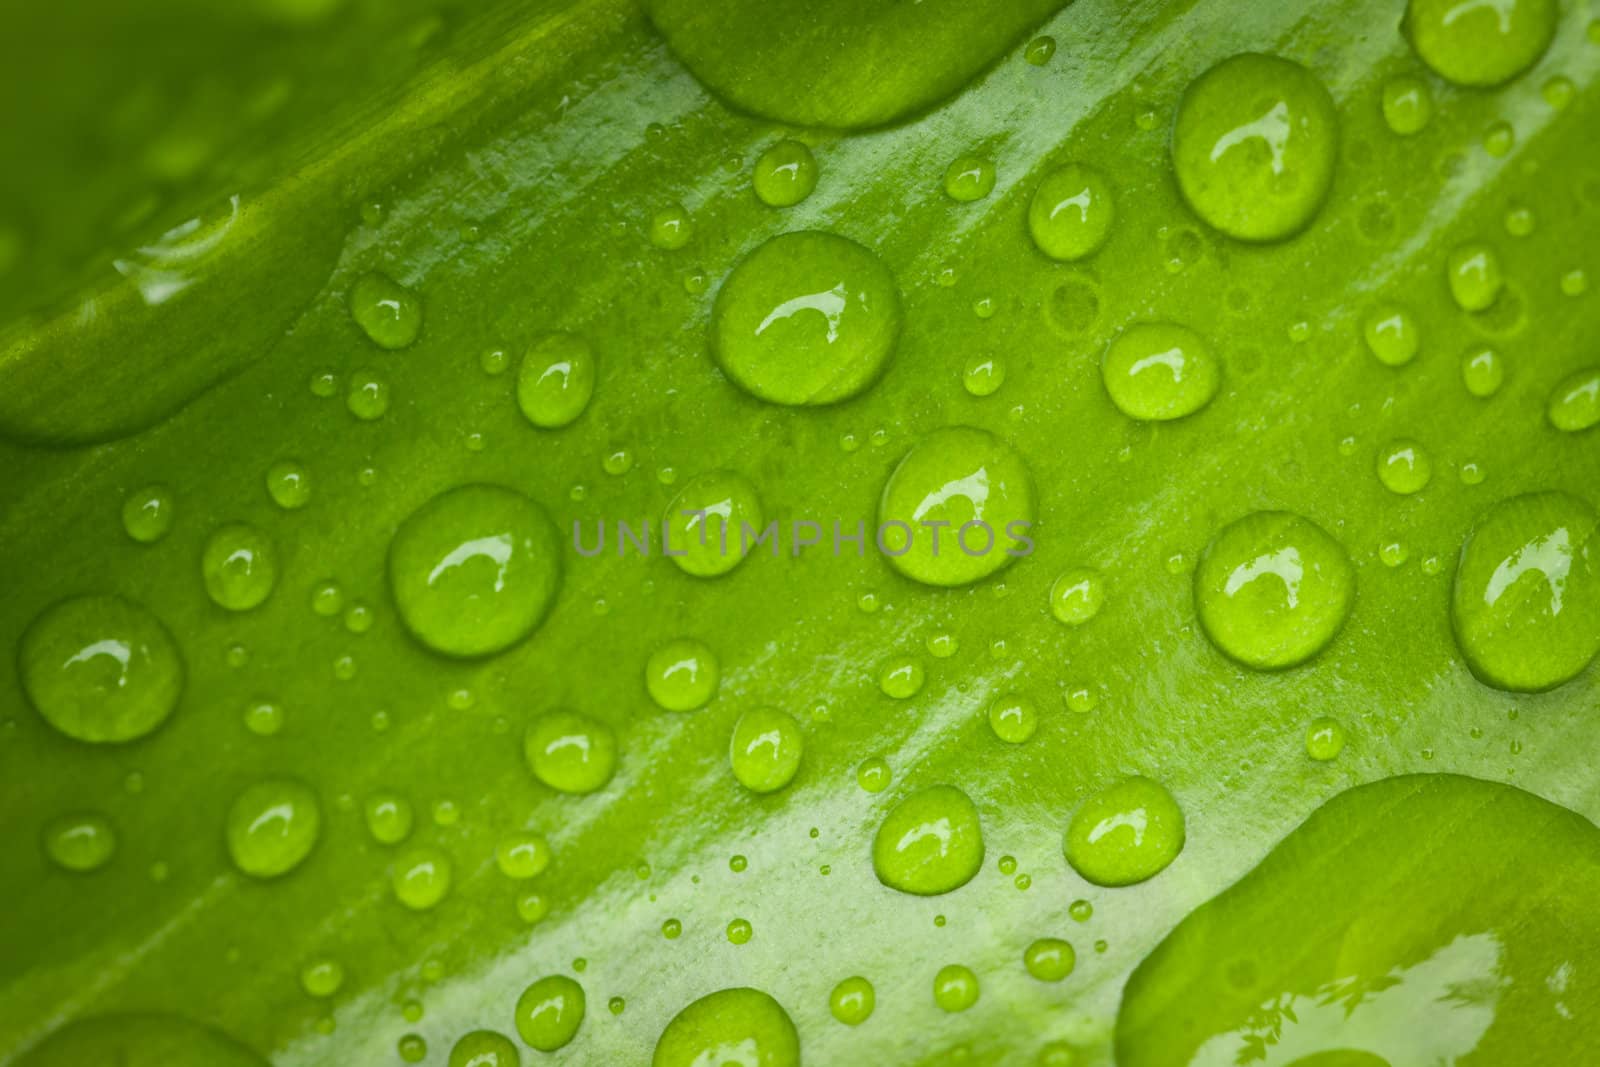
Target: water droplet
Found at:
x=263, y=718
x=741, y=1022
x=1574, y=403
x=272, y=827
x=1081, y=911
x=682, y=675
x=1483, y=371
x=327, y=599
x=806, y=318
x=549, y=1012
x=1160, y=371
x=785, y=174
x=289, y=484
x=1077, y=596
x=386, y=311
x=1071, y=213
x=474, y=570
x=1473, y=271
x=522, y=855
x=873, y=774
x=942, y=645
x=1391, y=335
x=1039, y=50
x=740, y=932
x=368, y=395
x=485, y=1048
x=969, y=178
x=100, y=669
x=1526, y=600
x=671, y=228
x=147, y=513
x=1272, y=589
x=1393, y=553
x=707, y=522
x=1407, y=104
x=1254, y=146
x=532, y=907
x=1558, y=92
x=1325, y=739
x=1049, y=959
x=240, y=567
x=1480, y=43
x=322, y=978
x=421, y=877
x=1126, y=833
x=901, y=678
x=1404, y=467
x=1574, y=282
x=1013, y=718
x=766, y=749
x=494, y=360
x=556, y=380
x=571, y=753
x=983, y=375
x=389, y=818
x=81, y=841
x=930, y=843
x=1499, y=139
x=413, y=1048
x=852, y=1001
x=671, y=929
x=955, y=988
x=956, y=508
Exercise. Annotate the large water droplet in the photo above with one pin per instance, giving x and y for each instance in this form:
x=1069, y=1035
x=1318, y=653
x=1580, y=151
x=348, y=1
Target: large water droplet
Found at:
x=1480, y=42
x=740, y=1026
x=1254, y=146
x=474, y=570
x=100, y=669
x=571, y=753
x=1071, y=213
x=1272, y=589
x=766, y=749
x=550, y=1011
x=1126, y=833
x=930, y=843
x=1159, y=371
x=272, y=827
x=485, y=1048
x=957, y=508
x=1526, y=601
x=556, y=380
x=806, y=318
x=712, y=522
x=240, y=566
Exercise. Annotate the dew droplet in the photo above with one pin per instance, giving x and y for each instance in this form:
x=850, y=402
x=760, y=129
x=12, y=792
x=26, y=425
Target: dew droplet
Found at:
x=682, y=675
x=671, y=228
x=485, y=1048
x=957, y=508
x=522, y=855
x=1039, y=50
x=1071, y=213
x=1126, y=833
x=1272, y=589
x=766, y=749
x=785, y=174
x=873, y=774
x=1574, y=403
x=740, y=932
x=147, y=513
x=742, y=1022
x=556, y=380
x=1077, y=596
x=1483, y=371
x=421, y=877
x=1325, y=739
x=1526, y=599
x=549, y=1012
x=367, y=396
x=571, y=753
x=389, y=818
x=1407, y=104
x=1049, y=959
x=1013, y=718
x=1499, y=139
x=100, y=669
x=1391, y=335
x=901, y=678
x=80, y=841
x=1404, y=467
x=240, y=566
x=712, y=523
x=272, y=827
x=474, y=570
x=289, y=484
x=955, y=988
x=969, y=178
x=806, y=318
x=852, y=1001
x=1254, y=146
x=983, y=375
x=930, y=843
x=1473, y=271
x=1484, y=42
x=388, y=312
x=1160, y=371
x=264, y=718
x=322, y=978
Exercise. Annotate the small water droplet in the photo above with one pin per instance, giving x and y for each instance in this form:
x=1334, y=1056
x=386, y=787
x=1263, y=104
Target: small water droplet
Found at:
x=930, y=843
x=785, y=174
x=1126, y=833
